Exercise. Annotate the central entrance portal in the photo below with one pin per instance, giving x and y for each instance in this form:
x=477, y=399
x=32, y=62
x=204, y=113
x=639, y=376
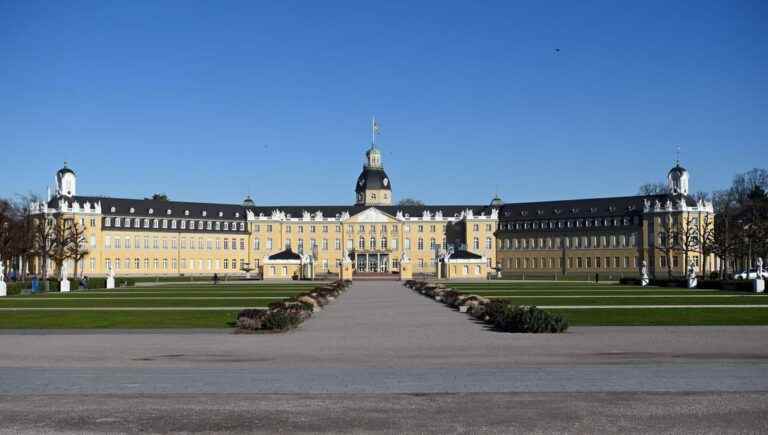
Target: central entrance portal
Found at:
x=371, y=262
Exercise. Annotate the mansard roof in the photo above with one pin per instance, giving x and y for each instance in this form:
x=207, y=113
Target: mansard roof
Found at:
x=584, y=208
x=141, y=207
x=178, y=209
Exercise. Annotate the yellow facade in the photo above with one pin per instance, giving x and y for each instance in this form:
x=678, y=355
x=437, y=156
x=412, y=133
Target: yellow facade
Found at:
x=605, y=235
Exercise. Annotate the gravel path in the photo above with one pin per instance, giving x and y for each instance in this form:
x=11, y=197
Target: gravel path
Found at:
x=383, y=358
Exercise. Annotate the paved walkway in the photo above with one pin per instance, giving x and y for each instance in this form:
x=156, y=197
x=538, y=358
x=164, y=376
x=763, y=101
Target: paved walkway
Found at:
x=381, y=336
x=383, y=358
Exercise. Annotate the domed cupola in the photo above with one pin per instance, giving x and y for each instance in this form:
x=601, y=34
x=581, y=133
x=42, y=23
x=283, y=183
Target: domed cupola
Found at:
x=248, y=202
x=496, y=202
x=66, y=182
x=373, y=186
x=677, y=180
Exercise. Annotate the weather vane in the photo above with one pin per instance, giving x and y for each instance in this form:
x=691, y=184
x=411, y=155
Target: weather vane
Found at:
x=374, y=130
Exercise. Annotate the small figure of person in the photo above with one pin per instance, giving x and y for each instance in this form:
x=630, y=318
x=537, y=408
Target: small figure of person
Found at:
x=215, y=278
x=597, y=278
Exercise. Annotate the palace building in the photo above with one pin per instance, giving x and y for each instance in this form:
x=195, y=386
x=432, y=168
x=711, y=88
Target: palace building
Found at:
x=141, y=237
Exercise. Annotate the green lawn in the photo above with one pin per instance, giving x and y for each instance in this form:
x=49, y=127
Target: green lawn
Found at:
x=588, y=294
x=168, y=306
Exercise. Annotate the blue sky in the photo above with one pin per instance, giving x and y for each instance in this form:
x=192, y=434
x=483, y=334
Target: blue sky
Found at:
x=209, y=101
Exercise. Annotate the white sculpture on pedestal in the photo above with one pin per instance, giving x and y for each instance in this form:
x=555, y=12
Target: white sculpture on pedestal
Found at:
x=404, y=259
x=644, y=274
x=759, y=283
x=3, y=287
x=64, y=283
x=692, y=280
x=110, y=277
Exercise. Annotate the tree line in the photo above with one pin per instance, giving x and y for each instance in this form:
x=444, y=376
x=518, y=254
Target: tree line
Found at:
x=28, y=239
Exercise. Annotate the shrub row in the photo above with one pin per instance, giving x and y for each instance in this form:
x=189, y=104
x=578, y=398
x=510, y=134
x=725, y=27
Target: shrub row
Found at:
x=709, y=284
x=502, y=315
x=290, y=313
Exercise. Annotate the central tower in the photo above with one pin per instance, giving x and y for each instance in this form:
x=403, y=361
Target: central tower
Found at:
x=373, y=186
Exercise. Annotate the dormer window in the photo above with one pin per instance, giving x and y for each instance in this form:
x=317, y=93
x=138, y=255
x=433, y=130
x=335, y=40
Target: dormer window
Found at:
x=107, y=222
x=221, y=214
x=539, y=212
x=168, y=212
x=237, y=214
x=186, y=212
x=132, y=210
x=218, y=225
x=112, y=209
x=205, y=213
x=151, y=211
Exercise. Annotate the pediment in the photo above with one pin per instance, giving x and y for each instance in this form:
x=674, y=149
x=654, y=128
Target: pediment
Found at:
x=372, y=215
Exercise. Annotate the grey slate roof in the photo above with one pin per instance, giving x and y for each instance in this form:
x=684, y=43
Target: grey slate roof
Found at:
x=584, y=208
x=372, y=178
x=287, y=254
x=229, y=211
x=465, y=255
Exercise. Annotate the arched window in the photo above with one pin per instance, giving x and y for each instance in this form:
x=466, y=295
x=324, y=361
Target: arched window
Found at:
x=476, y=244
x=361, y=243
x=420, y=244
x=488, y=243
x=373, y=242
x=383, y=243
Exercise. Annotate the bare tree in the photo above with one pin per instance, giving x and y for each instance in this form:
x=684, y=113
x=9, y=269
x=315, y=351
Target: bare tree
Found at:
x=409, y=202
x=649, y=189
x=668, y=241
x=76, y=247
x=706, y=240
x=689, y=238
x=60, y=242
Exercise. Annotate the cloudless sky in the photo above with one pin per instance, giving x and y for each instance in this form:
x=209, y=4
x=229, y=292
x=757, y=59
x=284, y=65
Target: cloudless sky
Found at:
x=211, y=100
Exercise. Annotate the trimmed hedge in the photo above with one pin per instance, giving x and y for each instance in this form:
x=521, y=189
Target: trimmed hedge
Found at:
x=505, y=316
x=289, y=313
x=15, y=288
x=502, y=315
